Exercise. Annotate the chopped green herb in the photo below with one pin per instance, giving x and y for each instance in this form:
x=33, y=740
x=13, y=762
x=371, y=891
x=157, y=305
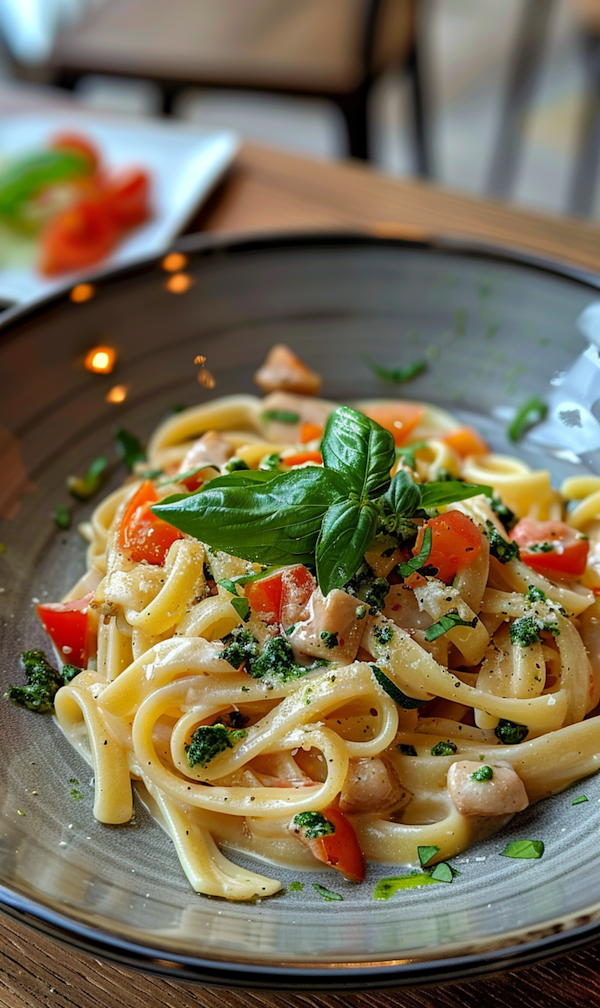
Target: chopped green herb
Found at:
x=240, y=647
x=531, y=413
x=376, y=593
x=84, y=487
x=446, y=623
x=406, y=750
x=236, y=465
x=69, y=672
x=210, y=740
x=387, y=887
x=407, y=454
x=404, y=701
x=578, y=801
x=525, y=631
x=327, y=894
x=534, y=594
x=399, y=374
x=504, y=513
x=43, y=683
x=443, y=872
x=383, y=634
x=129, y=448
x=242, y=607
x=361, y=612
x=270, y=463
x=313, y=825
x=510, y=732
x=447, y=748
x=75, y=792
x=541, y=547
x=411, y=566
x=329, y=638
x=283, y=416
x=426, y=854
x=296, y=886
x=277, y=660
x=483, y=773
x=62, y=516
x=501, y=548
x=526, y=849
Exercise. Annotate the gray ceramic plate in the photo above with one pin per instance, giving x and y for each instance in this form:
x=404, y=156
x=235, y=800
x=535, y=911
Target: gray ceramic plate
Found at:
x=494, y=330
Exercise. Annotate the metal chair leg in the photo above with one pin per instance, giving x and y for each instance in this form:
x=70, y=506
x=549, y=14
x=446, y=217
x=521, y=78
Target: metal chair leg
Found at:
x=422, y=154
x=587, y=158
x=354, y=108
x=522, y=77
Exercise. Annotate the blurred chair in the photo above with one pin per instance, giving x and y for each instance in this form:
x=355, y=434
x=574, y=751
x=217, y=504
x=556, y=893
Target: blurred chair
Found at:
x=332, y=49
x=524, y=69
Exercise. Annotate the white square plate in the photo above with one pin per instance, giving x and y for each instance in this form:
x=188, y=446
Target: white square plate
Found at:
x=184, y=162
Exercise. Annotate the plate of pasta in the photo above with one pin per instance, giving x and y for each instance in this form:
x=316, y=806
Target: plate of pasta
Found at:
x=301, y=667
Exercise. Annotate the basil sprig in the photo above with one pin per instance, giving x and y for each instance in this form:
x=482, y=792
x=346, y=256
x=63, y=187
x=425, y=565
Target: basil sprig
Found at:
x=325, y=517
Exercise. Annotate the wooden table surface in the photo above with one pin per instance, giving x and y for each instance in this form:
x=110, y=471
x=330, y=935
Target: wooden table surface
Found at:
x=269, y=190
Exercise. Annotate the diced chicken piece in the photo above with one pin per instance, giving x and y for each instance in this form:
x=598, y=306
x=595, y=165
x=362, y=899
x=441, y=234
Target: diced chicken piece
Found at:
x=332, y=629
x=297, y=410
x=503, y=794
x=283, y=370
x=372, y=786
x=211, y=447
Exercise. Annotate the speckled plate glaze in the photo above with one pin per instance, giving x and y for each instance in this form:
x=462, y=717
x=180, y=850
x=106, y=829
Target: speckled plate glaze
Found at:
x=494, y=329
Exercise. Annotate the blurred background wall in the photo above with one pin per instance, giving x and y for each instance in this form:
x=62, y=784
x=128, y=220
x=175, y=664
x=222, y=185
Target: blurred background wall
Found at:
x=468, y=50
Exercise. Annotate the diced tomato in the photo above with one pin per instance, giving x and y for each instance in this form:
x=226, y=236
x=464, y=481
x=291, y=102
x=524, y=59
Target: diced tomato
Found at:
x=400, y=418
x=127, y=198
x=282, y=594
x=301, y=457
x=143, y=535
x=66, y=623
x=310, y=432
x=81, y=236
x=80, y=144
x=195, y=479
x=551, y=547
x=466, y=441
x=455, y=544
x=340, y=850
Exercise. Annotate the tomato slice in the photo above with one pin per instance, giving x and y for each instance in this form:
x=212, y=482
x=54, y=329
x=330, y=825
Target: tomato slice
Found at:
x=301, y=457
x=455, y=544
x=143, y=535
x=81, y=236
x=466, y=441
x=340, y=850
x=66, y=623
x=400, y=418
x=310, y=432
x=282, y=595
x=127, y=197
x=551, y=547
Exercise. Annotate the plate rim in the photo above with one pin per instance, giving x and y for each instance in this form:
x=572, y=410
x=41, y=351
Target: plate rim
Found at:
x=84, y=937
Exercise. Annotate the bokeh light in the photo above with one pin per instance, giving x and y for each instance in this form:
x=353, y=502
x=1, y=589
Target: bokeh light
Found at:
x=101, y=359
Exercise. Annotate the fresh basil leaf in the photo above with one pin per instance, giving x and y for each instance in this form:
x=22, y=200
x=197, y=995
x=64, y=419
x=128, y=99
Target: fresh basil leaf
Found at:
x=399, y=374
x=434, y=495
x=129, y=448
x=531, y=412
x=180, y=477
x=579, y=801
x=407, y=454
x=426, y=854
x=276, y=521
x=389, y=687
x=443, y=872
x=527, y=849
x=446, y=623
x=228, y=585
x=82, y=488
x=346, y=534
x=241, y=478
x=411, y=566
x=403, y=496
x=359, y=450
x=244, y=579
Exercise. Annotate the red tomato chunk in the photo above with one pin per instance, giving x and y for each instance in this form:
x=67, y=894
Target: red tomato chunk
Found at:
x=551, y=547
x=66, y=623
x=455, y=544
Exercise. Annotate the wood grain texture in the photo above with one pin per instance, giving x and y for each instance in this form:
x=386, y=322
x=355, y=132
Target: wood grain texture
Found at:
x=269, y=190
